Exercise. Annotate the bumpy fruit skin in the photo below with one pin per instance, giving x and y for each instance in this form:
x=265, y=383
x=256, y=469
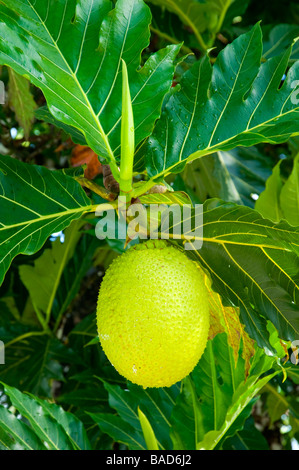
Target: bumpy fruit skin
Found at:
x=153, y=314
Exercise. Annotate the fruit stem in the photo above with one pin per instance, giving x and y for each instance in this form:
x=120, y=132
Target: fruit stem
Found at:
x=103, y=192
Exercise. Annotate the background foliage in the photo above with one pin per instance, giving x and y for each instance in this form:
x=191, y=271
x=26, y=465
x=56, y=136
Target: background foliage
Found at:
x=229, y=114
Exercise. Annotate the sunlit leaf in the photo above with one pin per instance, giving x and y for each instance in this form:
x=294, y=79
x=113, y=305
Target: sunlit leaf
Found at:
x=237, y=102
x=21, y=436
x=44, y=426
x=73, y=52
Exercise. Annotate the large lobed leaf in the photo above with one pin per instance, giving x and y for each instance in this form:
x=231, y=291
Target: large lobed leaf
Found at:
x=216, y=399
x=157, y=404
x=238, y=175
x=42, y=280
x=253, y=264
x=237, y=102
x=72, y=50
x=241, y=402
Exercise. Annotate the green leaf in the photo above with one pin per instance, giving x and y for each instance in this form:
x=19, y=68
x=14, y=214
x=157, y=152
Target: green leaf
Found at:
x=35, y=203
x=42, y=280
x=249, y=438
x=209, y=177
x=73, y=51
x=88, y=398
x=216, y=379
x=236, y=176
x=148, y=433
x=21, y=436
x=21, y=100
x=226, y=319
x=42, y=423
x=157, y=404
x=119, y=430
x=234, y=103
x=207, y=394
x=32, y=358
x=186, y=418
x=94, y=360
x=254, y=265
x=210, y=392
x=248, y=169
x=244, y=394
x=289, y=196
x=73, y=274
x=199, y=16
x=277, y=403
x=44, y=114
x=32, y=362
x=268, y=202
x=124, y=403
x=293, y=371
x=72, y=426
x=280, y=200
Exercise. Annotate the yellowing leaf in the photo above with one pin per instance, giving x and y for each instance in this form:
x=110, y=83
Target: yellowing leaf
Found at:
x=226, y=319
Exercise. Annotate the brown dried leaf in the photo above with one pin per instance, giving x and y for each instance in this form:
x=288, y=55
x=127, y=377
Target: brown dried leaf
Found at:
x=83, y=155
